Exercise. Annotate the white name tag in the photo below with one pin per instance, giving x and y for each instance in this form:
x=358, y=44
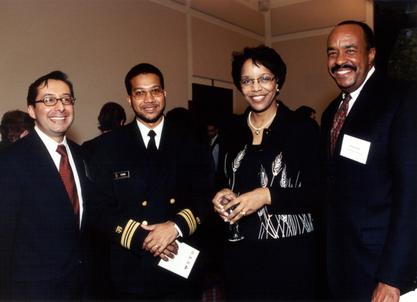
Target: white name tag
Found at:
x=355, y=148
x=183, y=262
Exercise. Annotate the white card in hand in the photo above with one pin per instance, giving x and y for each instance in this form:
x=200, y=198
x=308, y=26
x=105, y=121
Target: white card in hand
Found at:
x=183, y=262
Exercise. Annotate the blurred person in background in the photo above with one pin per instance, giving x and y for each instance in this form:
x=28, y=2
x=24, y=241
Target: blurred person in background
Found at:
x=14, y=125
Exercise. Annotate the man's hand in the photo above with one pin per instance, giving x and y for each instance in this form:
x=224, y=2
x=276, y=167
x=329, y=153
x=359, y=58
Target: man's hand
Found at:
x=160, y=236
x=385, y=293
x=170, y=251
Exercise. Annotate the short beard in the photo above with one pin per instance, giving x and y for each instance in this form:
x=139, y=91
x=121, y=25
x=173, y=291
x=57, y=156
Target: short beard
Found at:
x=148, y=120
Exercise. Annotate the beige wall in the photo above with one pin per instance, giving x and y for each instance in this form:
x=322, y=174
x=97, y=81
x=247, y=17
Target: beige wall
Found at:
x=308, y=82
x=212, y=54
x=97, y=41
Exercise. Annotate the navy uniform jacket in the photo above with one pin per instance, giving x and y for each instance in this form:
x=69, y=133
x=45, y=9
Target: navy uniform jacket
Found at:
x=41, y=250
x=372, y=208
x=134, y=188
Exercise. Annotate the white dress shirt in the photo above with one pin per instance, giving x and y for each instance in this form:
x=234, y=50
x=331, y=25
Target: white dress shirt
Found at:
x=354, y=95
x=144, y=130
x=51, y=145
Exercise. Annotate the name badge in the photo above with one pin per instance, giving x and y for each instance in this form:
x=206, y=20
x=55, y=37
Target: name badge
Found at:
x=355, y=148
x=121, y=175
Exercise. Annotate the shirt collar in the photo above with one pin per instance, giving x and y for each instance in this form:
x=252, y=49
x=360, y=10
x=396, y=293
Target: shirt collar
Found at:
x=50, y=143
x=355, y=93
x=144, y=130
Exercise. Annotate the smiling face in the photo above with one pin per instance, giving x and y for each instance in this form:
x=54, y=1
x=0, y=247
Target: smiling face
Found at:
x=348, y=58
x=149, y=107
x=55, y=120
x=260, y=97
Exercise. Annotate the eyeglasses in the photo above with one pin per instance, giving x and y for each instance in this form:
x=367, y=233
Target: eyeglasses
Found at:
x=140, y=94
x=264, y=80
x=52, y=101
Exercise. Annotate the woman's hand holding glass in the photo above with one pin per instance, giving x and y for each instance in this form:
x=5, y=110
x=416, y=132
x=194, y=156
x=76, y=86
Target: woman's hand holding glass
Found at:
x=221, y=200
x=242, y=205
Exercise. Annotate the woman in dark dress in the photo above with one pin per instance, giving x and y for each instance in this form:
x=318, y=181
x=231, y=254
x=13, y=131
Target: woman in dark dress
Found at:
x=271, y=174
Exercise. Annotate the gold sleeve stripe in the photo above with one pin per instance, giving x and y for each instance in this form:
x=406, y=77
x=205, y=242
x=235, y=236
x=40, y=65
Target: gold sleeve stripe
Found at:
x=128, y=233
x=189, y=218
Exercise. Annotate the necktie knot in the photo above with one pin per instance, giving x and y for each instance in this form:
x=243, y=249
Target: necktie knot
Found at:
x=151, y=133
x=346, y=96
x=62, y=150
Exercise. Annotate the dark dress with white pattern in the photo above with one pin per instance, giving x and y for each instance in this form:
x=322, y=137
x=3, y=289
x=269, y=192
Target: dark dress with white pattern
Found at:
x=276, y=260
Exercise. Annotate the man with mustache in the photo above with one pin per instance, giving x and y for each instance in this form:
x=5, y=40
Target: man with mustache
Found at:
x=369, y=153
x=42, y=216
x=153, y=180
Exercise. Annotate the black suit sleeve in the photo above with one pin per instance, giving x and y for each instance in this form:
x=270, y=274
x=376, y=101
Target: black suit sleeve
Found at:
x=398, y=262
x=107, y=215
x=9, y=204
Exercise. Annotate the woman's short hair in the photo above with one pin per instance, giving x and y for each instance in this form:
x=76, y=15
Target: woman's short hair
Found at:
x=260, y=55
x=13, y=124
x=111, y=116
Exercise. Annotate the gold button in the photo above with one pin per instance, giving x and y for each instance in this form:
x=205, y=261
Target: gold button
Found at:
x=172, y=201
x=144, y=203
x=144, y=222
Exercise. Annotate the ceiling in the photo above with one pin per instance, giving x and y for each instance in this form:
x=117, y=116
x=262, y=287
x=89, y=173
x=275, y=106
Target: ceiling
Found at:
x=286, y=16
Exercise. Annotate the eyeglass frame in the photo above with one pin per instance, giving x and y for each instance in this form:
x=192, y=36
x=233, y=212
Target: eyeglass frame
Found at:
x=258, y=80
x=71, y=98
x=159, y=93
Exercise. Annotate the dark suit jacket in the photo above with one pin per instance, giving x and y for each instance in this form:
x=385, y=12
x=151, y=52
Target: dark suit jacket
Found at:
x=372, y=208
x=135, y=187
x=41, y=255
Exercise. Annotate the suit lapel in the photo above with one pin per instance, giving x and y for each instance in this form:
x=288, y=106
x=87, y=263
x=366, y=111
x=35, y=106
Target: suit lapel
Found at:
x=46, y=169
x=360, y=117
x=360, y=114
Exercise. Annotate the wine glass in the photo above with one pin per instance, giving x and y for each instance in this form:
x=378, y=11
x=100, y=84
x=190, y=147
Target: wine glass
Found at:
x=234, y=233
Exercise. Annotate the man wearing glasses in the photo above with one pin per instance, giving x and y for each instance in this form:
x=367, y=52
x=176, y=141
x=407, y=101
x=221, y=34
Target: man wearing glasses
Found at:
x=153, y=181
x=42, y=193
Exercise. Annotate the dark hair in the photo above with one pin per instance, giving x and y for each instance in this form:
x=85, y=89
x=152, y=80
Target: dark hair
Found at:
x=142, y=68
x=260, y=55
x=305, y=111
x=367, y=31
x=13, y=124
x=111, y=116
x=43, y=81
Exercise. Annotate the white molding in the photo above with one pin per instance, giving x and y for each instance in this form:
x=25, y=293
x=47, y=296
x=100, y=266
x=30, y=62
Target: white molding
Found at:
x=268, y=39
x=281, y=3
x=212, y=80
x=302, y=34
x=171, y=4
x=226, y=25
x=210, y=19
